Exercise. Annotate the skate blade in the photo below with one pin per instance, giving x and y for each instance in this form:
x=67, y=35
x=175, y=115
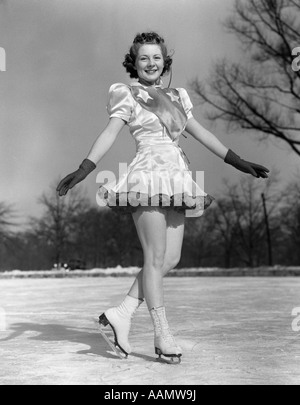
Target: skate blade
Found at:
x=168, y=358
x=111, y=344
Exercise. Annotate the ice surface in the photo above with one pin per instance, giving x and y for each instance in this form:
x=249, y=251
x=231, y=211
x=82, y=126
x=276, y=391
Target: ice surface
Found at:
x=232, y=331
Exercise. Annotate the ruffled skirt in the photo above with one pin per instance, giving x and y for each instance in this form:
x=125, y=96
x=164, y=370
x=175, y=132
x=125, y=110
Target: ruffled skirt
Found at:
x=157, y=177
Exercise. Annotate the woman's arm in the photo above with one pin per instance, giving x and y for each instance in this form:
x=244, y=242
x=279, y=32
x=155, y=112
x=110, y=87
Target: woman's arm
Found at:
x=209, y=140
x=205, y=137
x=99, y=149
x=105, y=140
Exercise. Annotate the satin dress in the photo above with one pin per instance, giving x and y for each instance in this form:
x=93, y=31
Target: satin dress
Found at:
x=159, y=174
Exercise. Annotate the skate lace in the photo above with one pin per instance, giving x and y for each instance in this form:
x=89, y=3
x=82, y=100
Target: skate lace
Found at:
x=168, y=337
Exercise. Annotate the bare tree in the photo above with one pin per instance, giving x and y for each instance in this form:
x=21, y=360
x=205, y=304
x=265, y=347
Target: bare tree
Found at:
x=7, y=241
x=290, y=223
x=198, y=245
x=261, y=93
x=240, y=222
x=59, y=223
x=7, y=215
x=225, y=229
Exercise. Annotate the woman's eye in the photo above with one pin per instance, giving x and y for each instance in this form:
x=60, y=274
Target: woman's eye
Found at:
x=145, y=59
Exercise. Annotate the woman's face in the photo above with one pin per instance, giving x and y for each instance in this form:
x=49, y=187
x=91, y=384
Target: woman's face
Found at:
x=149, y=64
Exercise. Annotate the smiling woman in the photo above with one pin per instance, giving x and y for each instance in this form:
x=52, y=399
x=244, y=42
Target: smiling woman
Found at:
x=149, y=64
x=158, y=188
x=139, y=47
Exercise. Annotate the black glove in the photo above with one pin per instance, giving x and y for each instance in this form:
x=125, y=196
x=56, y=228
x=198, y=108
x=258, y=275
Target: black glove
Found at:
x=86, y=167
x=244, y=166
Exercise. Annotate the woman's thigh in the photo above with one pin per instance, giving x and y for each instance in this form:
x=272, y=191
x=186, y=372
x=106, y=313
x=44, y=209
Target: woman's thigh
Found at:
x=151, y=226
x=174, y=238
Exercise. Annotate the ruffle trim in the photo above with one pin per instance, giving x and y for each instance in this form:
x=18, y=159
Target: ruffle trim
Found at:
x=126, y=203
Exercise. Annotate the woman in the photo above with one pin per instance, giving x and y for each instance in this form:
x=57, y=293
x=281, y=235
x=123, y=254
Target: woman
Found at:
x=157, y=190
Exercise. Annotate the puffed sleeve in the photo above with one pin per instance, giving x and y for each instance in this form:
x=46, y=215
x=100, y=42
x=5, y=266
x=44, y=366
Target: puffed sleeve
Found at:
x=120, y=102
x=186, y=102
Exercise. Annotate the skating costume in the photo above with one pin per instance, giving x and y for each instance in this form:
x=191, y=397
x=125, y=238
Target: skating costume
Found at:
x=159, y=174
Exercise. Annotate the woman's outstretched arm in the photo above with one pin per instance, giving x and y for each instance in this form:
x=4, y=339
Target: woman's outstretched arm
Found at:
x=105, y=140
x=212, y=143
x=99, y=149
x=205, y=137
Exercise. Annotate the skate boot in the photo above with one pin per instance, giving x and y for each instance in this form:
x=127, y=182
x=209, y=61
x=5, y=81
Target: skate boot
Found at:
x=119, y=319
x=164, y=341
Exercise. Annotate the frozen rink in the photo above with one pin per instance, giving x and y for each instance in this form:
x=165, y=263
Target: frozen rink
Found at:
x=232, y=331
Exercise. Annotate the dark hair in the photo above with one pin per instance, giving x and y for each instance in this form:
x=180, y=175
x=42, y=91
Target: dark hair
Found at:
x=142, y=39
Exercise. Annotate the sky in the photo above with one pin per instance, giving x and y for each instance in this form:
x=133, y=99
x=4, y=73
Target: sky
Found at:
x=61, y=58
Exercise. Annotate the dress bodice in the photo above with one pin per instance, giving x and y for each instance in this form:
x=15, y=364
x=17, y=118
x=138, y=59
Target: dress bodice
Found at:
x=145, y=127
x=159, y=175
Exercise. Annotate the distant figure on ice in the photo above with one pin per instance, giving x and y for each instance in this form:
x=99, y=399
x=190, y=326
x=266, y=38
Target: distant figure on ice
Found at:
x=158, y=189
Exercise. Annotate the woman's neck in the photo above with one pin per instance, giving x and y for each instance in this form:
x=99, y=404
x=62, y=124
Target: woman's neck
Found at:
x=146, y=83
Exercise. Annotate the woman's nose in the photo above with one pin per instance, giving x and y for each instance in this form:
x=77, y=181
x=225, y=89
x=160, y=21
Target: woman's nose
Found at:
x=151, y=63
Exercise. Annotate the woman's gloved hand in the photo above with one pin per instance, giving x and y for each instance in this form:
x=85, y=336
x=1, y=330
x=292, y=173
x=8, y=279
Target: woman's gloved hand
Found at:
x=244, y=166
x=86, y=167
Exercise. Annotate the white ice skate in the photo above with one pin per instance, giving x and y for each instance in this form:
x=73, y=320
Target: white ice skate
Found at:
x=119, y=319
x=164, y=342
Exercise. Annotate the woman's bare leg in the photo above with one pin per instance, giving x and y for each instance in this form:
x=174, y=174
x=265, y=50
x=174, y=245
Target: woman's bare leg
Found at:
x=152, y=228
x=151, y=225
x=174, y=240
x=120, y=317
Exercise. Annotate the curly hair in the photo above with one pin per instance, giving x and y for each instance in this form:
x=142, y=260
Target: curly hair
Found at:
x=139, y=40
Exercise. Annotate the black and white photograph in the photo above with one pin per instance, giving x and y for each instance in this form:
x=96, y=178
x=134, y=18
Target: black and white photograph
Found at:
x=149, y=195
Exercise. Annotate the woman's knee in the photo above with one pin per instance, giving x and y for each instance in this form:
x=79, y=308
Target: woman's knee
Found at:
x=155, y=259
x=170, y=262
